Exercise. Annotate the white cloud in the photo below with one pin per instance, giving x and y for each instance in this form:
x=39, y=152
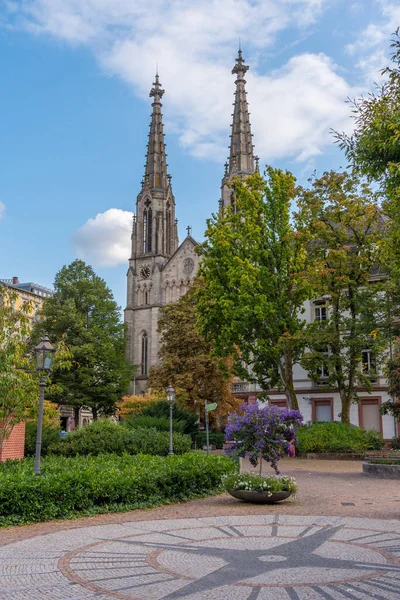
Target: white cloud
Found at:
x=2, y=210
x=105, y=240
x=371, y=46
x=292, y=109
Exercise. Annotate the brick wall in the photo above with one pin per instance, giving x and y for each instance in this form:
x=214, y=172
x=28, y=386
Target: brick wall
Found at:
x=13, y=447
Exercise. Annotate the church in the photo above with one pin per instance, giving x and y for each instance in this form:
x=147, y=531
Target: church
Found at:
x=160, y=269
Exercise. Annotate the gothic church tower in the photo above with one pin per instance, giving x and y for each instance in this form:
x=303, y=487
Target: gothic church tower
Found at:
x=242, y=161
x=159, y=271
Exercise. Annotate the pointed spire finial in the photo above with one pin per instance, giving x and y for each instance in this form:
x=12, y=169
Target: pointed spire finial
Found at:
x=240, y=67
x=156, y=91
x=257, y=159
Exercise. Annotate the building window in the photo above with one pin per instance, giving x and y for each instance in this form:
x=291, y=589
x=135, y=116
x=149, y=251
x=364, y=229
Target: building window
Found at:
x=369, y=416
x=145, y=347
x=320, y=312
x=279, y=403
x=322, y=410
x=169, y=233
x=322, y=370
x=147, y=229
x=368, y=361
x=146, y=297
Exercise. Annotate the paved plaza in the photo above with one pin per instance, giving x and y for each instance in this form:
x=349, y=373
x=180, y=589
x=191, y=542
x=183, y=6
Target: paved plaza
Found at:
x=219, y=548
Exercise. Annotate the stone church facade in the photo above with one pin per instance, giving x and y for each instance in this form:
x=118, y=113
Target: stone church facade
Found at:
x=160, y=269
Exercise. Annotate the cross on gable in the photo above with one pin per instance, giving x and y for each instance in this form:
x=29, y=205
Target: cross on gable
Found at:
x=189, y=230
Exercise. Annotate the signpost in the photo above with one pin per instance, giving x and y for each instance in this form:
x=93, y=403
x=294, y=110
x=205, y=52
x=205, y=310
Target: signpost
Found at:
x=207, y=409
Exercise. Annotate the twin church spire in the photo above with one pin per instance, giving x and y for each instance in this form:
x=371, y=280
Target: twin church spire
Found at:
x=156, y=175
x=241, y=158
x=156, y=204
x=241, y=161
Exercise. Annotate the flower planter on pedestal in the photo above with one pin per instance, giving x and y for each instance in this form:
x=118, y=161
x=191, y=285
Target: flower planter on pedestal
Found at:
x=259, y=497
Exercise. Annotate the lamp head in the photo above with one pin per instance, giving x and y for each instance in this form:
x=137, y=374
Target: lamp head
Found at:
x=170, y=394
x=44, y=354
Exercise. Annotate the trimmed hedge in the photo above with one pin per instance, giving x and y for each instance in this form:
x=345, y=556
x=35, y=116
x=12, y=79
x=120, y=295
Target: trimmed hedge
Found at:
x=159, y=423
x=70, y=487
x=106, y=437
x=216, y=439
x=336, y=437
x=50, y=436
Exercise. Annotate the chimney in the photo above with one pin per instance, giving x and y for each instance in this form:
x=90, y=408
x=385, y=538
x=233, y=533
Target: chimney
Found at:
x=15, y=280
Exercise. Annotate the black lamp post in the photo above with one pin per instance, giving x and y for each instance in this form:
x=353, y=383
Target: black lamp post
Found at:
x=44, y=354
x=170, y=399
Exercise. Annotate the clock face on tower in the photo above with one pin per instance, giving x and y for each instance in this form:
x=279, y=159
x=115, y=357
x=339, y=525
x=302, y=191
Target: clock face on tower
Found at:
x=145, y=272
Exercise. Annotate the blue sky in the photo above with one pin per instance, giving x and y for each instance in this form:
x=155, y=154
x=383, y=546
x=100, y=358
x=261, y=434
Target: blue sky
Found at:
x=75, y=110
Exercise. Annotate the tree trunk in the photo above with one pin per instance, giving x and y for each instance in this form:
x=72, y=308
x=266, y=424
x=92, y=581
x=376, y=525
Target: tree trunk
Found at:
x=286, y=369
x=346, y=403
x=95, y=413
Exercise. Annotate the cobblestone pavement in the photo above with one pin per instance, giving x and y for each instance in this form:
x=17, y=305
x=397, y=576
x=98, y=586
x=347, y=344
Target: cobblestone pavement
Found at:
x=322, y=545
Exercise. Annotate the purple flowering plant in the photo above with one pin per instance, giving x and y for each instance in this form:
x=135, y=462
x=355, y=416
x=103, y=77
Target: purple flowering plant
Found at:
x=262, y=432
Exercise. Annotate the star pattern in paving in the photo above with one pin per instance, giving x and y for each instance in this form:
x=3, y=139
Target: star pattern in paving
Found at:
x=242, y=565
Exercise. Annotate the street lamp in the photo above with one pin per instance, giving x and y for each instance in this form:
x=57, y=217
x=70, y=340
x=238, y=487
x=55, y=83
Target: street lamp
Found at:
x=170, y=399
x=44, y=354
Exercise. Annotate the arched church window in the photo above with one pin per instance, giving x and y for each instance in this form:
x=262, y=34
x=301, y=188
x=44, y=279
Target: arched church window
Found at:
x=168, y=230
x=147, y=227
x=144, y=353
x=146, y=297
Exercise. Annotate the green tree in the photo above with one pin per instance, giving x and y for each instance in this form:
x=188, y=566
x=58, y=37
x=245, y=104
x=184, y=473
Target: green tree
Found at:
x=374, y=147
x=84, y=313
x=19, y=389
x=253, y=263
x=186, y=360
x=345, y=229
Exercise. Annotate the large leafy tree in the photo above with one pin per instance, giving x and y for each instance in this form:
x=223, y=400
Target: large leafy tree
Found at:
x=345, y=229
x=84, y=313
x=253, y=264
x=186, y=360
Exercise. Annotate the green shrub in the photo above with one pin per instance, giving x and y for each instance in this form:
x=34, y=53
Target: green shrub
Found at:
x=106, y=437
x=81, y=485
x=50, y=436
x=395, y=443
x=216, y=439
x=161, y=409
x=336, y=437
x=159, y=423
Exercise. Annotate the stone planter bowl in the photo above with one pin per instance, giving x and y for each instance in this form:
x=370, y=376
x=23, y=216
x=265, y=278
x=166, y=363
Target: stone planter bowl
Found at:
x=381, y=471
x=259, y=497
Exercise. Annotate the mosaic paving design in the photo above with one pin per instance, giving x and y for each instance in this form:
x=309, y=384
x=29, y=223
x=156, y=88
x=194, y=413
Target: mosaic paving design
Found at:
x=268, y=557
